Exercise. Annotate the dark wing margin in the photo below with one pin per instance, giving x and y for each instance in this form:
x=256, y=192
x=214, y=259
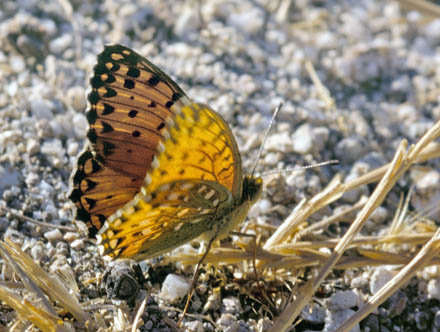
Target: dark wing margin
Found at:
x=131, y=104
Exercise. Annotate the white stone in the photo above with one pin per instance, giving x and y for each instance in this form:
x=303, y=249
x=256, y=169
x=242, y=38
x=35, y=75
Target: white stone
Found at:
x=32, y=147
x=232, y=305
x=50, y=209
x=80, y=125
x=379, y=215
x=302, y=139
x=432, y=29
x=76, y=97
x=60, y=44
x=379, y=278
x=351, y=149
x=343, y=300
x=250, y=21
x=188, y=21
x=53, y=235
x=433, y=289
x=320, y=136
x=10, y=136
x=8, y=177
x=334, y=319
x=70, y=236
x=12, y=88
x=228, y=322
x=279, y=142
x=77, y=244
x=32, y=179
x=314, y=314
x=17, y=63
x=41, y=108
x=426, y=191
x=72, y=149
x=174, y=288
x=53, y=147
x=196, y=326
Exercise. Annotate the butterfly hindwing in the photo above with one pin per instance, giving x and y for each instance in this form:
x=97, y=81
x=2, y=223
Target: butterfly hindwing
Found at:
x=173, y=214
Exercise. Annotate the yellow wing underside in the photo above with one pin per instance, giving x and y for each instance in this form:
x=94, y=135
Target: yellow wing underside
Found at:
x=196, y=177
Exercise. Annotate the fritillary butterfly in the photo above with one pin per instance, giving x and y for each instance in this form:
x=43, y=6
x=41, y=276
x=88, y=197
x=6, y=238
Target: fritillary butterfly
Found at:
x=158, y=170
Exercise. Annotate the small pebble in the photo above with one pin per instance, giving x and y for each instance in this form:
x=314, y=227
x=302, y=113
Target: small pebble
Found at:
x=314, y=314
x=77, y=244
x=229, y=322
x=231, y=305
x=41, y=108
x=61, y=43
x=302, y=139
x=32, y=147
x=8, y=177
x=343, y=300
x=426, y=190
x=70, y=236
x=279, y=142
x=174, y=288
x=76, y=98
x=264, y=324
x=335, y=318
x=379, y=62
x=53, y=235
x=351, y=149
x=379, y=278
x=433, y=289
x=195, y=326
x=17, y=63
x=437, y=319
x=38, y=251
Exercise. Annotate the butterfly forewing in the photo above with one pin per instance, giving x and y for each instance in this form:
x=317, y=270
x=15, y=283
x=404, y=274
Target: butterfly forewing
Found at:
x=131, y=103
x=201, y=146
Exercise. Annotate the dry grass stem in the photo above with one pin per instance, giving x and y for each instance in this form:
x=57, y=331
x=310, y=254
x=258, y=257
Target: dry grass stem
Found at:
x=304, y=210
x=40, y=312
x=21, y=217
x=400, y=164
x=429, y=250
x=330, y=220
x=430, y=10
x=322, y=90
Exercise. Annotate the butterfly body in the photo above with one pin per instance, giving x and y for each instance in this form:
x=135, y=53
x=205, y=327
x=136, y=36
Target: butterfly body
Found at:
x=159, y=170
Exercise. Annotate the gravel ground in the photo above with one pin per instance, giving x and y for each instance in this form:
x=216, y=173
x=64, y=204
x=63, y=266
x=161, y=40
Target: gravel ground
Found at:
x=380, y=64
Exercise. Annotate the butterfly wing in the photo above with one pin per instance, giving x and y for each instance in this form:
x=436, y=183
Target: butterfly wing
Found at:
x=200, y=145
x=199, y=170
x=167, y=218
x=130, y=103
x=145, y=138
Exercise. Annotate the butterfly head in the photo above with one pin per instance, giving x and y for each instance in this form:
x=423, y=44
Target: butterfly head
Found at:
x=252, y=188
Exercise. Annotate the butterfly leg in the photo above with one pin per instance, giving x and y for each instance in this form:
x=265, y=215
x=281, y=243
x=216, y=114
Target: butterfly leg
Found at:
x=195, y=278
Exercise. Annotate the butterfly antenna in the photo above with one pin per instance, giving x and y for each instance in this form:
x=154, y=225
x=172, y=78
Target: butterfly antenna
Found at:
x=296, y=169
x=269, y=127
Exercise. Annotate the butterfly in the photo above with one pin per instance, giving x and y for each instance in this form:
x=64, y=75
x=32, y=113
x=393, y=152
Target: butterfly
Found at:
x=158, y=169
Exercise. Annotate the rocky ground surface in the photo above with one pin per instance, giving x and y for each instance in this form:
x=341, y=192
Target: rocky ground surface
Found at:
x=379, y=61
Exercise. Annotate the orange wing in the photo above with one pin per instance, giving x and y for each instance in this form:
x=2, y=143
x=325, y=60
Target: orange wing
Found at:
x=171, y=216
x=193, y=188
x=200, y=146
x=131, y=104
